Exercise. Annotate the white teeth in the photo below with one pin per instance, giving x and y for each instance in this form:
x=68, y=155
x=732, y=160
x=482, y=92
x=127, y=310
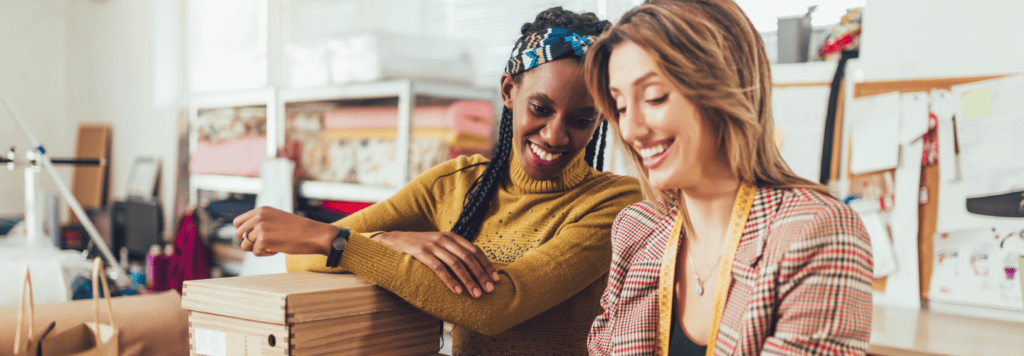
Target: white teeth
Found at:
x=651, y=151
x=544, y=155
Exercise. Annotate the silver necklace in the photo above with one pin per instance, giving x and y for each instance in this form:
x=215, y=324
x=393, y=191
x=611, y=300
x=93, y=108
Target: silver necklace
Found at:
x=700, y=282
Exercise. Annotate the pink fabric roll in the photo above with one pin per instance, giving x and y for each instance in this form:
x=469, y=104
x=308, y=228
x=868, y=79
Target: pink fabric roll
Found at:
x=239, y=157
x=469, y=116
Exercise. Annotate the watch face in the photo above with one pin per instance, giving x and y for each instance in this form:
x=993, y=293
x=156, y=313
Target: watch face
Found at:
x=339, y=243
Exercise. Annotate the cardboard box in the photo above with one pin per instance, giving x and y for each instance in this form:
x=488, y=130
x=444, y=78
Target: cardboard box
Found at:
x=90, y=183
x=303, y=313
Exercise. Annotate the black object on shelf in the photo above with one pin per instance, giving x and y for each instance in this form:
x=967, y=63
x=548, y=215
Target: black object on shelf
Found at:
x=1009, y=205
x=306, y=208
x=230, y=208
x=137, y=225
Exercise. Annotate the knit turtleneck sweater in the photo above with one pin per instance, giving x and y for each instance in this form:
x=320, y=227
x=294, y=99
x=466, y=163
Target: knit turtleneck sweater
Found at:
x=549, y=240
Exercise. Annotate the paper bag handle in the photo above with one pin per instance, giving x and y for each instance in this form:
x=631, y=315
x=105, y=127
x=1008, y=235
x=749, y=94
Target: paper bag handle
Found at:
x=26, y=284
x=97, y=278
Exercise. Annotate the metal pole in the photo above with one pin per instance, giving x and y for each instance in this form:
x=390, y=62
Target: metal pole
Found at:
x=121, y=276
x=32, y=216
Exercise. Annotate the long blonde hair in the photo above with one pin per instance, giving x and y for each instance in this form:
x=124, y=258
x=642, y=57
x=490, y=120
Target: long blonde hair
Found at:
x=708, y=50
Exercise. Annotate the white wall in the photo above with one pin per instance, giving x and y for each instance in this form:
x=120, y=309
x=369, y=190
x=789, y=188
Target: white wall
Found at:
x=908, y=39
x=33, y=69
x=125, y=68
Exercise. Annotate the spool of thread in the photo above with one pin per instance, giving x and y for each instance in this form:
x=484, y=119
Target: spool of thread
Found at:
x=138, y=274
x=124, y=257
x=161, y=268
x=154, y=251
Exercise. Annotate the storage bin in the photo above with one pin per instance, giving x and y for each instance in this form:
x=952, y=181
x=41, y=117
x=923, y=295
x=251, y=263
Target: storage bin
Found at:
x=303, y=313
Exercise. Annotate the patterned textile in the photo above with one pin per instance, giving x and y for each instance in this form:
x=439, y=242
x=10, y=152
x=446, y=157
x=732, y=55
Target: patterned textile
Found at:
x=546, y=46
x=801, y=280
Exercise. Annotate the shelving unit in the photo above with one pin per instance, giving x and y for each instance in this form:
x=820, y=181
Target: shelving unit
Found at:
x=276, y=101
x=222, y=183
x=266, y=97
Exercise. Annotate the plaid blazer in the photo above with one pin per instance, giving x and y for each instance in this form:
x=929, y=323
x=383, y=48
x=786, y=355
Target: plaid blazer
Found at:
x=801, y=281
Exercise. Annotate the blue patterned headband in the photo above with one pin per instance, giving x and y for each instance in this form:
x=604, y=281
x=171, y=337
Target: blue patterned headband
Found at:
x=546, y=46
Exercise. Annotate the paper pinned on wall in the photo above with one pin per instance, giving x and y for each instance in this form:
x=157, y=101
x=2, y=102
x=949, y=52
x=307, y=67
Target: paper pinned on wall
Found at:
x=874, y=135
x=914, y=116
x=799, y=114
x=881, y=243
x=903, y=286
x=942, y=103
x=989, y=128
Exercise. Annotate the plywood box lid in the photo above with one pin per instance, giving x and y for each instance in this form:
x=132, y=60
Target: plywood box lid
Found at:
x=288, y=298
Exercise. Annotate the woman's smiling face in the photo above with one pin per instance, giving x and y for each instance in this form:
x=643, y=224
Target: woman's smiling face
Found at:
x=674, y=141
x=553, y=116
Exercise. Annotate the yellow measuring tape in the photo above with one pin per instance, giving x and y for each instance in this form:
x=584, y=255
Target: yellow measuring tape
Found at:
x=666, y=278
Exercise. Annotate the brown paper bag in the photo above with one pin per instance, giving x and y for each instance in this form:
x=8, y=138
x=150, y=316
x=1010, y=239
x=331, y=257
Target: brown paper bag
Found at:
x=87, y=339
x=31, y=344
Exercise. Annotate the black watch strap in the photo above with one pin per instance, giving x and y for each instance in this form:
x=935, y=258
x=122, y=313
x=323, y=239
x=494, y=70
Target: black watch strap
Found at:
x=337, y=247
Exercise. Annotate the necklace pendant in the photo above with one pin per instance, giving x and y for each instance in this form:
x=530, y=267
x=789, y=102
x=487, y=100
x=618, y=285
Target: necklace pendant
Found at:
x=700, y=290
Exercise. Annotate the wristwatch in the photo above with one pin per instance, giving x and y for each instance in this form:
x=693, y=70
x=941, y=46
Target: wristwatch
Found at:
x=337, y=247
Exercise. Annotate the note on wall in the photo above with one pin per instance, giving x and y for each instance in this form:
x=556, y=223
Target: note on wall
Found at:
x=799, y=114
x=881, y=243
x=914, y=116
x=903, y=287
x=989, y=129
x=874, y=137
x=977, y=266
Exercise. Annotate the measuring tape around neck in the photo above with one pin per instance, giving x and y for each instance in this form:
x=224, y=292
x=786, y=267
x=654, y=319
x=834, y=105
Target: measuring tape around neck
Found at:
x=666, y=277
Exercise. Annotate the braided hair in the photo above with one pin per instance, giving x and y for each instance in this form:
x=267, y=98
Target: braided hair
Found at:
x=478, y=198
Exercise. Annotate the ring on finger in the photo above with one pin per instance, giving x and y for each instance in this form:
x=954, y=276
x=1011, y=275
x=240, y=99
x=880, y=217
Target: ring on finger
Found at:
x=245, y=236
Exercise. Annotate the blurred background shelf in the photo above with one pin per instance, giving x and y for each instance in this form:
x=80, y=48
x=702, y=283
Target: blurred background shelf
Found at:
x=228, y=184
x=344, y=192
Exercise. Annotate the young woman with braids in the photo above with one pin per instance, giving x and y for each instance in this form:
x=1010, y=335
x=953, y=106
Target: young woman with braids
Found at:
x=514, y=251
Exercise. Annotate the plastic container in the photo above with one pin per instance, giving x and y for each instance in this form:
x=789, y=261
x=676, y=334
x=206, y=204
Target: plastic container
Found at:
x=794, y=38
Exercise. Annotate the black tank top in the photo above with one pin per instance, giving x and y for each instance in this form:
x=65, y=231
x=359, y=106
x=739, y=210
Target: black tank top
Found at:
x=681, y=345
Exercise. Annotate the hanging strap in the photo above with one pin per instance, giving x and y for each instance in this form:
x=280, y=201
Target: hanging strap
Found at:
x=26, y=285
x=830, y=116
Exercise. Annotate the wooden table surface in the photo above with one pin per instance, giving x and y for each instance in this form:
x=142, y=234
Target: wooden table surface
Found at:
x=899, y=331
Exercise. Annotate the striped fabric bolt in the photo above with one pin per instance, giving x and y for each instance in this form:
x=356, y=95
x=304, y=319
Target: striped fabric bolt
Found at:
x=801, y=280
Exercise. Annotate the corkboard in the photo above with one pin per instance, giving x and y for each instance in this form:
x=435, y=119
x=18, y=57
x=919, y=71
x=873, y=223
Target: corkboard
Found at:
x=837, y=133
x=927, y=213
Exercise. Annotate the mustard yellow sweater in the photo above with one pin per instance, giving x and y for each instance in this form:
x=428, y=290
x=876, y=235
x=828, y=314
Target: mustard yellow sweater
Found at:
x=549, y=240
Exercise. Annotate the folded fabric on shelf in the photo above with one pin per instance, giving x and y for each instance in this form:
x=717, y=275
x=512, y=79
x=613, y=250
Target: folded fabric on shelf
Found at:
x=471, y=116
x=238, y=157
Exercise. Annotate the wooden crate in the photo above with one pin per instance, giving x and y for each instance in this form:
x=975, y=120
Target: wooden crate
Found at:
x=303, y=313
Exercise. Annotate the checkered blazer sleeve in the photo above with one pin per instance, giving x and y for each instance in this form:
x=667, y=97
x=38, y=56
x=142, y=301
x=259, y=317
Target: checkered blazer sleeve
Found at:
x=609, y=334
x=824, y=288
x=599, y=341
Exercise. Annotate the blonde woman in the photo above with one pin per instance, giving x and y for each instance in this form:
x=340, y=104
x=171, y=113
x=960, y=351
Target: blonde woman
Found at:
x=731, y=253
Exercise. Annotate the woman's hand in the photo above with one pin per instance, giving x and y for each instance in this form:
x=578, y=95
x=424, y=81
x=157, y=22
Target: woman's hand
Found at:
x=444, y=253
x=266, y=231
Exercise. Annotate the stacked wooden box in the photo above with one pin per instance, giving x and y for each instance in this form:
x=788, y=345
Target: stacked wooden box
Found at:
x=303, y=313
